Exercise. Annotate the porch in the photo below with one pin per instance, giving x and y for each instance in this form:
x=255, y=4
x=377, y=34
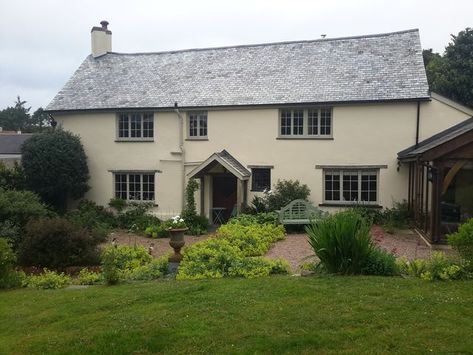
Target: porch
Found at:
x=440, y=187
x=223, y=186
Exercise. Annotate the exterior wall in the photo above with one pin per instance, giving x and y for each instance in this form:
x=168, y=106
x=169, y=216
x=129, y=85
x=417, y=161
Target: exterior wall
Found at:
x=362, y=135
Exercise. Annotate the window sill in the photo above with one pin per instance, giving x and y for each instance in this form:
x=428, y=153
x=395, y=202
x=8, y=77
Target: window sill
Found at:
x=137, y=140
x=305, y=138
x=350, y=205
x=197, y=139
x=259, y=190
x=139, y=202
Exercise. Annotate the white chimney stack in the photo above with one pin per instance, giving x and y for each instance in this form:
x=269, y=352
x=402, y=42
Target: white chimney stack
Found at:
x=101, y=39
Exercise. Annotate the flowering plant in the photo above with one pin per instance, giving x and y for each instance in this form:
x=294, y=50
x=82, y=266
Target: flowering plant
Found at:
x=177, y=222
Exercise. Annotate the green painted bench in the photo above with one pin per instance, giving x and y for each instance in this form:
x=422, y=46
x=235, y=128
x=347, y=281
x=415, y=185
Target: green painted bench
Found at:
x=300, y=212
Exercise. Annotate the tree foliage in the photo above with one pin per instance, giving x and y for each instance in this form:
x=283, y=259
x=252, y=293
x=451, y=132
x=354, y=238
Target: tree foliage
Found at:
x=451, y=75
x=55, y=167
x=18, y=118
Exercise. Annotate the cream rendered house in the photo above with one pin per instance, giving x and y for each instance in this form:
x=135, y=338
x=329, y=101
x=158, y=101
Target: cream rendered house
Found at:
x=331, y=113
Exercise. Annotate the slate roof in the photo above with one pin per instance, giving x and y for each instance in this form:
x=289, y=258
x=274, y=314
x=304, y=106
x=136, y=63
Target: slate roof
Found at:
x=365, y=68
x=437, y=139
x=225, y=159
x=11, y=143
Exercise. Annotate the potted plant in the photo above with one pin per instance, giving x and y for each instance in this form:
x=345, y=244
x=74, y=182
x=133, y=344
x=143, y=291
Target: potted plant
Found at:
x=177, y=228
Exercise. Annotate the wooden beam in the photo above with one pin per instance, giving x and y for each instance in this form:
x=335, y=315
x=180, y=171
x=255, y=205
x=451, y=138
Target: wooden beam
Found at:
x=451, y=174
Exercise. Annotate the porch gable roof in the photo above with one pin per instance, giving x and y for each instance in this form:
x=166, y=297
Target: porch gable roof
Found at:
x=225, y=159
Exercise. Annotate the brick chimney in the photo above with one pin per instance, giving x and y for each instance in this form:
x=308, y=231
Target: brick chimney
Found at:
x=101, y=38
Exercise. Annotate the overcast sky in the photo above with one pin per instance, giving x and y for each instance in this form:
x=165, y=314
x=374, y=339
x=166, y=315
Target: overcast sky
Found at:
x=43, y=42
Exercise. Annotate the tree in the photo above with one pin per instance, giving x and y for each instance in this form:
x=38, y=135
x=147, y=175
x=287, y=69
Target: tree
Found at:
x=55, y=167
x=18, y=118
x=452, y=74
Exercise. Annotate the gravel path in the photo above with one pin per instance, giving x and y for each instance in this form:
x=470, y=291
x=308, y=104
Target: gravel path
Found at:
x=295, y=248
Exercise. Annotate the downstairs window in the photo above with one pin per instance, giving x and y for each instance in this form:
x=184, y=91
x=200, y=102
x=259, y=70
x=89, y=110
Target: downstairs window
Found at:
x=134, y=186
x=351, y=186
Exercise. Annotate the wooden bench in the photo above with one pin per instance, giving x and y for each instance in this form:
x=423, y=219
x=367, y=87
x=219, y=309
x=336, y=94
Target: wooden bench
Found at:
x=300, y=212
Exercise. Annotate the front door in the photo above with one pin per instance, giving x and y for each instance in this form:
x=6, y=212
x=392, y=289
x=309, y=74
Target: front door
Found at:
x=224, y=194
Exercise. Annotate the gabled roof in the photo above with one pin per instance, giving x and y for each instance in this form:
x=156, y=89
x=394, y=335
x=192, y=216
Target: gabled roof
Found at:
x=437, y=140
x=227, y=161
x=381, y=67
x=11, y=143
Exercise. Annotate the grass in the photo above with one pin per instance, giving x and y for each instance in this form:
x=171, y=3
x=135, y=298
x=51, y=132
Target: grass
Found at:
x=269, y=315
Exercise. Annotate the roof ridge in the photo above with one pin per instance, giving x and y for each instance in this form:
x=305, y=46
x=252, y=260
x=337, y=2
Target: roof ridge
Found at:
x=266, y=43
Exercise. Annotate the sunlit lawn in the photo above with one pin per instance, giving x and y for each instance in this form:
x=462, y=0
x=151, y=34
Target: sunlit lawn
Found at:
x=268, y=315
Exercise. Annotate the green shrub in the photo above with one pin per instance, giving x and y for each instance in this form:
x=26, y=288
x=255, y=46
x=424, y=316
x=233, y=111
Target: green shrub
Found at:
x=251, y=239
x=250, y=267
x=48, y=280
x=437, y=268
x=91, y=216
x=197, y=225
x=380, y=262
x=462, y=240
x=279, y=266
x=119, y=204
x=258, y=218
x=56, y=242
x=87, y=277
x=12, y=178
x=342, y=242
x=210, y=258
x=9, y=278
x=136, y=217
x=157, y=231
x=18, y=207
x=119, y=261
x=9, y=231
x=150, y=271
x=284, y=192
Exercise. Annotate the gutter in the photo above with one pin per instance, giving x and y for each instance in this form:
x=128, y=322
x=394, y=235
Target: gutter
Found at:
x=182, y=150
x=417, y=124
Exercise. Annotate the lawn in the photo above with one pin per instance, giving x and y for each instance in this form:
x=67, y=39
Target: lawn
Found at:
x=268, y=315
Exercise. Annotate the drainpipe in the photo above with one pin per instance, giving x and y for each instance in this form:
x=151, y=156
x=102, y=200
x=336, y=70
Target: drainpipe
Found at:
x=183, y=152
x=417, y=123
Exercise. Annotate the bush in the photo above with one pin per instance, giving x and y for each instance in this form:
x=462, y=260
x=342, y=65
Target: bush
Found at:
x=18, y=207
x=12, y=178
x=342, y=242
x=250, y=267
x=119, y=261
x=118, y=204
x=48, y=280
x=9, y=278
x=57, y=243
x=91, y=216
x=197, y=225
x=55, y=167
x=462, y=240
x=210, y=258
x=284, y=192
x=87, y=277
x=150, y=271
x=136, y=217
x=9, y=231
x=157, y=231
x=258, y=218
x=380, y=262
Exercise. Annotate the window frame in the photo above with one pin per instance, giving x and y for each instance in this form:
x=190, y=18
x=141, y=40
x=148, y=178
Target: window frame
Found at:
x=198, y=127
x=145, y=119
x=253, y=189
x=142, y=183
x=306, y=120
x=359, y=173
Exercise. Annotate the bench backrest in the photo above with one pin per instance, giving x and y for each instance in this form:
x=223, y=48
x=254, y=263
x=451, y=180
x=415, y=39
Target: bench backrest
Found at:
x=299, y=212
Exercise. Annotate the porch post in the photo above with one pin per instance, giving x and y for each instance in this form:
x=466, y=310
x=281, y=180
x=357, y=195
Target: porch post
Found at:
x=202, y=196
x=436, y=199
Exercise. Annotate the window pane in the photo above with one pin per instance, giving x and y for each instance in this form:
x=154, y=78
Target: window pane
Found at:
x=325, y=121
x=135, y=126
x=120, y=186
x=369, y=186
x=332, y=186
x=148, y=187
x=193, y=125
x=134, y=187
x=148, y=125
x=286, y=122
x=298, y=127
x=350, y=186
x=261, y=179
x=203, y=125
x=313, y=128
x=123, y=129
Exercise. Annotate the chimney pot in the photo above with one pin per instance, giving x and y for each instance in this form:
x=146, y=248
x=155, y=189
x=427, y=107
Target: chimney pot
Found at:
x=104, y=24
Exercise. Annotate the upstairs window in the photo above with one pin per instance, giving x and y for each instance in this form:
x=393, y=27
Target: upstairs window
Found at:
x=351, y=186
x=139, y=126
x=197, y=125
x=134, y=186
x=306, y=123
x=260, y=179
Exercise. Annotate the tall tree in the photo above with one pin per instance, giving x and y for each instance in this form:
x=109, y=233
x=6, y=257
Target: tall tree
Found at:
x=55, y=167
x=452, y=74
x=18, y=118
